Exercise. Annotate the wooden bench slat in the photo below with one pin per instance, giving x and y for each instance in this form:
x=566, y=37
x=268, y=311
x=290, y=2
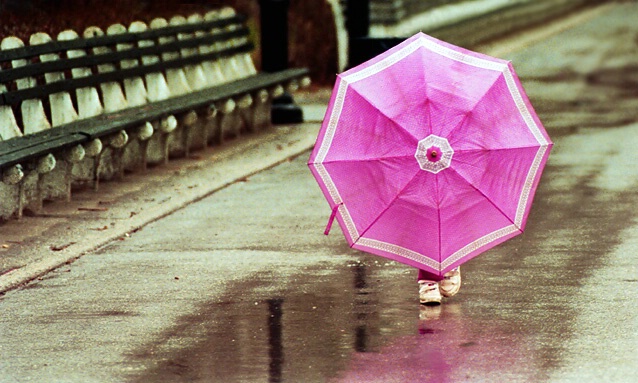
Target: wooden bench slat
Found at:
x=31, y=51
x=40, y=68
x=71, y=84
x=35, y=146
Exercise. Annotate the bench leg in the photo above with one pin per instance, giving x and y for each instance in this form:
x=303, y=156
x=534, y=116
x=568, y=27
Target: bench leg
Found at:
x=209, y=124
x=30, y=199
x=188, y=122
x=21, y=197
x=33, y=192
x=11, y=192
x=165, y=147
x=144, y=134
x=72, y=157
x=166, y=127
x=97, y=160
x=144, y=154
x=261, y=110
x=118, y=159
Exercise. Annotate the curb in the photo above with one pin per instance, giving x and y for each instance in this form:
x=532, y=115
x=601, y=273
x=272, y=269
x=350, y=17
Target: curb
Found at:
x=36, y=250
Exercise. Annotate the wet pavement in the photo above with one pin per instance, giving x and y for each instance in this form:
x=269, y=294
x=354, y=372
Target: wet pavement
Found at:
x=242, y=286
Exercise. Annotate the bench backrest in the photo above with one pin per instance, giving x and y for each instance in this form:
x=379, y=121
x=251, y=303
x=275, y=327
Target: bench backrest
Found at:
x=52, y=82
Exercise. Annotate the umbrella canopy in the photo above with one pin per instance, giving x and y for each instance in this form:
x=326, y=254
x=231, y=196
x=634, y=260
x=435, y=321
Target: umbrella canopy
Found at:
x=430, y=154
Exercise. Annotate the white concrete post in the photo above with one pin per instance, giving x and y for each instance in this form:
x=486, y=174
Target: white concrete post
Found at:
x=234, y=61
x=8, y=125
x=225, y=64
x=212, y=68
x=112, y=95
x=33, y=117
x=156, y=86
x=242, y=62
x=134, y=86
x=175, y=77
x=61, y=106
x=88, y=99
x=194, y=73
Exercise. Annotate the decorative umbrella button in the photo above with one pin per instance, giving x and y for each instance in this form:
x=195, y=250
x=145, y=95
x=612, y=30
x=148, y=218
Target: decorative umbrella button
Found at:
x=434, y=154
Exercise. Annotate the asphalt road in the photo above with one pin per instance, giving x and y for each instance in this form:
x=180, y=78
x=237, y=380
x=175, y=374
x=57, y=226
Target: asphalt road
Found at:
x=242, y=286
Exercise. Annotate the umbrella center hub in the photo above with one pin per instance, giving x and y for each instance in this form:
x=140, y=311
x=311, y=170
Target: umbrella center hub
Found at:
x=434, y=154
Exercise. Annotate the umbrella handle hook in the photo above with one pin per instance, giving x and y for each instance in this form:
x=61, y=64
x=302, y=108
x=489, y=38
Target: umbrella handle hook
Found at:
x=333, y=215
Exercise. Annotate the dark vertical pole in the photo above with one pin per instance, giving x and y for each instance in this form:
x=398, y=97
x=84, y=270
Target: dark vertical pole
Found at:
x=358, y=27
x=274, y=55
x=274, y=35
x=358, y=18
x=361, y=308
x=275, y=340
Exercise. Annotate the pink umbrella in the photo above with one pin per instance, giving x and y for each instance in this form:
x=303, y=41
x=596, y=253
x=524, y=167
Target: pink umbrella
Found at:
x=429, y=154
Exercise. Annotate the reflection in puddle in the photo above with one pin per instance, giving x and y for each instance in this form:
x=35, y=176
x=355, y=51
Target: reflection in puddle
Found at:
x=275, y=340
x=360, y=303
x=287, y=332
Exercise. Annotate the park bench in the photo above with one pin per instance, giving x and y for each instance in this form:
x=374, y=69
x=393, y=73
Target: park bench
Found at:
x=78, y=109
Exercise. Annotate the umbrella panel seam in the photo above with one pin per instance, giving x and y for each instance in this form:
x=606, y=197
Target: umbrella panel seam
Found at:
x=486, y=197
x=372, y=104
x=388, y=206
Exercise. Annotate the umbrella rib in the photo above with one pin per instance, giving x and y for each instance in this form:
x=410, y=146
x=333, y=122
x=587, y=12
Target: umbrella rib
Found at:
x=366, y=99
x=372, y=159
x=386, y=208
x=497, y=149
x=438, y=211
x=467, y=115
x=486, y=197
